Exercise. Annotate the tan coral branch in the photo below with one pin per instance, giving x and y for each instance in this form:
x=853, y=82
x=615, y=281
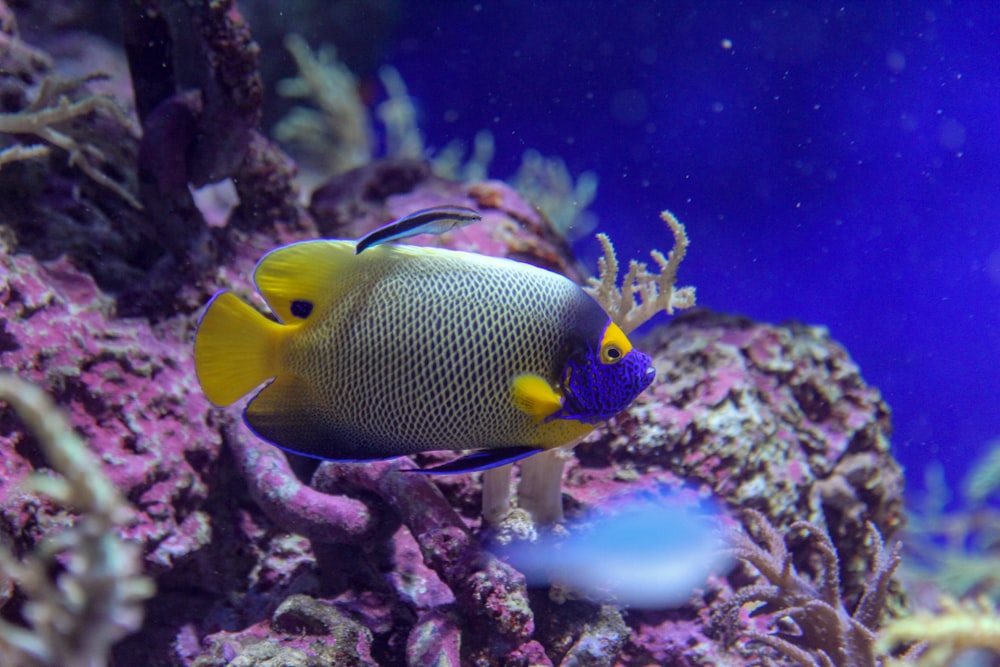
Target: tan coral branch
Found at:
x=958, y=627
x=77, y=609
x=39, y=118
x=18, y=153
x=643, y=293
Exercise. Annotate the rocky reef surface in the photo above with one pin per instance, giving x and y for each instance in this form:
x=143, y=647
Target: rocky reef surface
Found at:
x=259, y=560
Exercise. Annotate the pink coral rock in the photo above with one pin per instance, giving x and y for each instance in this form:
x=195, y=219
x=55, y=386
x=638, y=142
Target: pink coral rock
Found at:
x=262, y=560
x=131, y=393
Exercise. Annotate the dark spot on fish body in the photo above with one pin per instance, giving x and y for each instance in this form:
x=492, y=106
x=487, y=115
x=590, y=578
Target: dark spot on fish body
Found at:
x=301, y=308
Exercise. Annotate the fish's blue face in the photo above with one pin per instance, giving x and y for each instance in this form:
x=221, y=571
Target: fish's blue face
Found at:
x=601, y=383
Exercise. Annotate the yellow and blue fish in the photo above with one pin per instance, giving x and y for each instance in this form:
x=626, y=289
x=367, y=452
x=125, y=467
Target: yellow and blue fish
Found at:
x=401, y=349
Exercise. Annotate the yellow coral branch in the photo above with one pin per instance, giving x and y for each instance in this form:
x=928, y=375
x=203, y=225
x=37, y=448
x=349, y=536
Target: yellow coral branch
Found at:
x=18, y=153
x=643, y=293
x=958, y=627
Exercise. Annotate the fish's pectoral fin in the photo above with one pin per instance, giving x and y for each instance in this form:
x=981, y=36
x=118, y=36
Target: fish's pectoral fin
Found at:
x=480, y=460
x=234, y=348
x=300, y=278
x=533, y=395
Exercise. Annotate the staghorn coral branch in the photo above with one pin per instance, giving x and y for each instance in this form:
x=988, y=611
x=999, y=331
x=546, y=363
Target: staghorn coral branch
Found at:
x=824, y=633
x=44, y=112
x=83, y=586
x=18, y=153
x=643, y=293
x=829, y=571
x=869, y=608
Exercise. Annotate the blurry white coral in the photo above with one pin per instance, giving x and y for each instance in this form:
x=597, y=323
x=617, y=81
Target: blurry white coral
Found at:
x=337, y=133
x=450, y=162
x=403, y=138
x=547, y=183
x=83, y=586
x=941, y=638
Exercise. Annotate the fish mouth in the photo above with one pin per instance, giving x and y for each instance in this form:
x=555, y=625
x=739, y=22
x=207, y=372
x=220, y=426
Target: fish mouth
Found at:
x=603, y=397
x=645, y=377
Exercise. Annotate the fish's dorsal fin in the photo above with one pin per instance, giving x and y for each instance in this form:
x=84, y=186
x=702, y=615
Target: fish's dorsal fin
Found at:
x=296, y=278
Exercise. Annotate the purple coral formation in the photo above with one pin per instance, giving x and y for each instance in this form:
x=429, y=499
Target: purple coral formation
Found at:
x=260, y=560
x=129, y=390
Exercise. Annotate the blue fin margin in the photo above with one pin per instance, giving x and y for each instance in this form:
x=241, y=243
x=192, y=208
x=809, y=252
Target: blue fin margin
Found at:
x=481, y=460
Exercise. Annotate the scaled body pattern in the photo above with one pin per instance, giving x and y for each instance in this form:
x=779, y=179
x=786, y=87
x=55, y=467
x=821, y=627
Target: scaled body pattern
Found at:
x=401, y=349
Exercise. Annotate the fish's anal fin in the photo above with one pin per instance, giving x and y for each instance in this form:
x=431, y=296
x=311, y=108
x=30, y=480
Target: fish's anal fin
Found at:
x=480, y=460
x=234, y=348
x=286, y=414
x=533, y=395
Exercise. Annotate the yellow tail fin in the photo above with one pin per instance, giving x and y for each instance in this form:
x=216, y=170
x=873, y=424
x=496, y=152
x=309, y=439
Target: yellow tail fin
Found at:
x=235, y=349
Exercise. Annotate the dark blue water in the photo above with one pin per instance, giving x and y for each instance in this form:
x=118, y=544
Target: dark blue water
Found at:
x=835, y=163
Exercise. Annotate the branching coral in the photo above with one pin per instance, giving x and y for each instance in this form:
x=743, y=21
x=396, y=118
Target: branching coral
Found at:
x=18, y=152
x=403, y=138
x=52, y=108
x=642, y=293
x=811, y=625
x=941, y=637
x=339, y=132
x=959, y=551
x=547, y=183
x=83, y=586
x=983, y=480
x=450, y=163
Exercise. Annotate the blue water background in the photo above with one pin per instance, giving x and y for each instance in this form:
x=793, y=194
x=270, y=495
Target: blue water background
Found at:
x=835, y=163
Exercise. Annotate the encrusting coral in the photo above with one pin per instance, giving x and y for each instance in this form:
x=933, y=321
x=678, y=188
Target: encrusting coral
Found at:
x=83, y=584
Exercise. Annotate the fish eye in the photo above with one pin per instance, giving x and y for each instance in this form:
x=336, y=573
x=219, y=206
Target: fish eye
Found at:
x=611, y=354
x=301, y=308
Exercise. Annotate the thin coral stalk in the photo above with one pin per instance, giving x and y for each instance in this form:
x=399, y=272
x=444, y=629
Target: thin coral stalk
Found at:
x=643, y=293
x=540, y=490
x=18, y=153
